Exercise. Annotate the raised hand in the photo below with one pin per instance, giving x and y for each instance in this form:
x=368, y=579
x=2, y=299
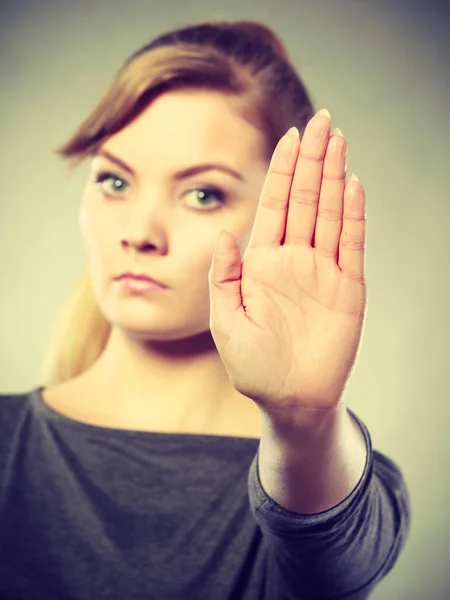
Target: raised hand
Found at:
x=287, y=319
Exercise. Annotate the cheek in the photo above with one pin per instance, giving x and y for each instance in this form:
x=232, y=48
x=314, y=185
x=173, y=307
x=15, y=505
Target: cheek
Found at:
x=88, y=225
x=93, y=231
x=193, y=263
x=83, y=221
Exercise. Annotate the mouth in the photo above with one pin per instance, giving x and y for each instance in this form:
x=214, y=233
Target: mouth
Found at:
x=139, y=277
x=139, y=284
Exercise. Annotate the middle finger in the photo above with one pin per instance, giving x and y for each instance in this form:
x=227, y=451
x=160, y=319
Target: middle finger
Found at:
x=306, y=183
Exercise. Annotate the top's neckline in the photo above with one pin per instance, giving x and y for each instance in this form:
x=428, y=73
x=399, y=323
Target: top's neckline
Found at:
x=53, y=414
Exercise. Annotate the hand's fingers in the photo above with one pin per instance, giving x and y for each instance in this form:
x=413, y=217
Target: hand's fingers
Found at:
x=270, y=219
x=307, y=180
x=331, y=200
x=352, y=243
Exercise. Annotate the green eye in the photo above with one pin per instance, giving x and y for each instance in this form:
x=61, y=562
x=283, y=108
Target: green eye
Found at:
x=204, y=194
x=103, y=176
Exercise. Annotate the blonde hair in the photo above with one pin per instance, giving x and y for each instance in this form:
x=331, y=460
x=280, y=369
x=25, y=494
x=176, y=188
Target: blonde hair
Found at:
x=78, y=338
x=244, y=59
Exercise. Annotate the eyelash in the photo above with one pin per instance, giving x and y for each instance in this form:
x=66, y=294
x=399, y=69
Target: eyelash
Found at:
x=102, y=176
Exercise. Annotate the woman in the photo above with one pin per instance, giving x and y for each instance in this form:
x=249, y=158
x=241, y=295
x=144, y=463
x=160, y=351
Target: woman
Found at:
x=190, y=440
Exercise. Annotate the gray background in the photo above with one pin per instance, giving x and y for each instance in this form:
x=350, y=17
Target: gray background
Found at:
x=381, y=69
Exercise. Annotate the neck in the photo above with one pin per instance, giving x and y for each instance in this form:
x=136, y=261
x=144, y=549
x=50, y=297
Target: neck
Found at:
x=179, y=386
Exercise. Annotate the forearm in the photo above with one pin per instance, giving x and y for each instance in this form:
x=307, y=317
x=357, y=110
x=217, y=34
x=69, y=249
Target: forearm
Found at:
x=310, y=468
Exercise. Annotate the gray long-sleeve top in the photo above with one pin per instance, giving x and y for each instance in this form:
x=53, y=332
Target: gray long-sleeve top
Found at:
x=89, y=512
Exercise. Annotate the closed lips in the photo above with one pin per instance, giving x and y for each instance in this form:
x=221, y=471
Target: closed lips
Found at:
x=139, y=277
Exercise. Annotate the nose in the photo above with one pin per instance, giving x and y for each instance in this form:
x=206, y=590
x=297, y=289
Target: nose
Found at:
x=146, y=226
x=140, y=245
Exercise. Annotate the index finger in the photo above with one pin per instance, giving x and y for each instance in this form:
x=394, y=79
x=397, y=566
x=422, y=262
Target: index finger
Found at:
x=270, y=220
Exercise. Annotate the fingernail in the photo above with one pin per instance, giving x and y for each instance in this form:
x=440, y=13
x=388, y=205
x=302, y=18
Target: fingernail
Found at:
x=352, y=177
x=324, y=113
x=293, y=131
x=337, y=131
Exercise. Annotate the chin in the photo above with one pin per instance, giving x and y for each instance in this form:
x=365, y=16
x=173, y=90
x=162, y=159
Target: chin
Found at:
x=156, y=322
x=160, y=331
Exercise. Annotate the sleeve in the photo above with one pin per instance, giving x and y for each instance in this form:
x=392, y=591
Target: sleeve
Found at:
x=343, y=552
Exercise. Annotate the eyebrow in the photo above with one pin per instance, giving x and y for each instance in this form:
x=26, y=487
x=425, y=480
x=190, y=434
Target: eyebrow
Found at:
x=184, y=173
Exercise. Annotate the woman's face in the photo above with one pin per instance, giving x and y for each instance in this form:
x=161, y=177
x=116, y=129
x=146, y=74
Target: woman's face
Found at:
x=152, y=218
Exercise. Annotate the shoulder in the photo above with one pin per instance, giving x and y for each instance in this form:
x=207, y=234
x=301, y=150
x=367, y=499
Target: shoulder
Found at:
x=14, y=412
x=12, y=403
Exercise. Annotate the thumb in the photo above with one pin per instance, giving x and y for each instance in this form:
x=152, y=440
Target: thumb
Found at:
x=225, y=282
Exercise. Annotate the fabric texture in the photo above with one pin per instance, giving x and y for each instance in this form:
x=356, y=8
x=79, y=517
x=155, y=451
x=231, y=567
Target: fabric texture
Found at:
x=89, y=512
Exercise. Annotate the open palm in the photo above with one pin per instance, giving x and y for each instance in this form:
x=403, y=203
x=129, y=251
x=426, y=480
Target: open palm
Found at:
x=287, y=320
